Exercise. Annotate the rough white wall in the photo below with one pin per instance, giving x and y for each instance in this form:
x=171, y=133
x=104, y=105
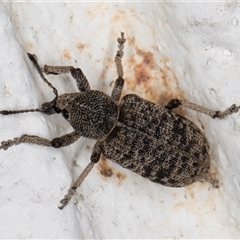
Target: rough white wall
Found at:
x=185, y=50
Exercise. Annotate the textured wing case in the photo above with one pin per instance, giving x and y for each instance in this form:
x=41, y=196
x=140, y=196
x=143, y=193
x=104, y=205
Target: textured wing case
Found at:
x=157, y=144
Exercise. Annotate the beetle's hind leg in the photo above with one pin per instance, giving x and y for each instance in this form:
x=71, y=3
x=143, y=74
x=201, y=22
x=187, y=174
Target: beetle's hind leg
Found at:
x=118, y=86
x=174, y=103
x=77, y=74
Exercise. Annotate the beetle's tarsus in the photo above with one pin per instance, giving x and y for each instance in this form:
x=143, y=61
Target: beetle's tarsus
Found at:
x=228, y=111
x=9, y=143
x=67, y=198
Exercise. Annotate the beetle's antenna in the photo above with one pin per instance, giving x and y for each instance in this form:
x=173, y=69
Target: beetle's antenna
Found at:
x=33, y=58
x=8, y=112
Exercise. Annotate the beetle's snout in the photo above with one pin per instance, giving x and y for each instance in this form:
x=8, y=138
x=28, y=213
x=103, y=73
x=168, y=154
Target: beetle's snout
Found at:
x=50, y=108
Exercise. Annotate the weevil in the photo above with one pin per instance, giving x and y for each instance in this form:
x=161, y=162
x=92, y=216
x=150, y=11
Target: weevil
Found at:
x=144, y=137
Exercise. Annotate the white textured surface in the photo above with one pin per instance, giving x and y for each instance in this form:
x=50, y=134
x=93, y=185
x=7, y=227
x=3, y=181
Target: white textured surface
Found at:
x=188, y=50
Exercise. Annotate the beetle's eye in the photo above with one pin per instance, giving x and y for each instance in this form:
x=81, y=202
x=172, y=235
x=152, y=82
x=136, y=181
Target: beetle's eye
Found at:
x=65, y=113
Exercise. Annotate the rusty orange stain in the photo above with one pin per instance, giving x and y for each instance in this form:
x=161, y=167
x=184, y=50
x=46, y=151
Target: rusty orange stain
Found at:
x=107, y=171
x=152, y=79
x=66, y=54
x=121, y=177
x=180, y=204
x=30, y=45
x=107, y=63
x=131, y=41
x=80, y=46
x=148, y=58
x=141, y=74
x=190, y=190
x=90, y=14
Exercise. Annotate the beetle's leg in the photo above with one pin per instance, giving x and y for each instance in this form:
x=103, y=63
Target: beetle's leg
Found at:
x=58, y=142
x=94, y=159
x=118, y=86
x=117, y=90
x=174, y=103
x=78, y=75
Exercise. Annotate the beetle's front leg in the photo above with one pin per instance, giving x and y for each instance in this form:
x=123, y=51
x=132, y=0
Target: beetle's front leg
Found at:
x=77, y=74
x=96, y=154
x=58, y=142
x=174, y=103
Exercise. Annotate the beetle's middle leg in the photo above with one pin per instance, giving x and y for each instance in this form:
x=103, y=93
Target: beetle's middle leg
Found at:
x=118, y=86
x=77, y=74
x=174, y=103
x=96, y=154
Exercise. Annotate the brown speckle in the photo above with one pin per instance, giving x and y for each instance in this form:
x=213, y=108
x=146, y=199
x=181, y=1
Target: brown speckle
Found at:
x=121, y=177
x=190, y=190
x=66, y=54
x=80, y=46
x=148, y=58
x=108, y=62
x=30, y=45
x=141, y=73
x=105, y=169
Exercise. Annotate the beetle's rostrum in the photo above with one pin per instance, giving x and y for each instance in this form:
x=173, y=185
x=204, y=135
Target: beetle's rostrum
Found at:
x=144, y=137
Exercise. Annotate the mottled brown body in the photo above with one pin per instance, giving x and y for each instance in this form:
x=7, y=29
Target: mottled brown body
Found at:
x=144, y=137
x=157, y=144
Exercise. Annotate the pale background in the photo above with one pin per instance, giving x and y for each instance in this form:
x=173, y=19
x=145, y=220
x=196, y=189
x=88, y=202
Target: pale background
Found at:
x=185, y=50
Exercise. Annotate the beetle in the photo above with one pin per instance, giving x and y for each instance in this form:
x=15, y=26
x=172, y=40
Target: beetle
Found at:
x=144, y=137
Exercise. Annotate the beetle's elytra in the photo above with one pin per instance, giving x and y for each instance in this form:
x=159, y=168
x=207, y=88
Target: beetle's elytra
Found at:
x=144, y=137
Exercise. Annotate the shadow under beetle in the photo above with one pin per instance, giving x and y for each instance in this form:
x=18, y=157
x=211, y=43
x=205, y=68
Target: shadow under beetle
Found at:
x=144, y=137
